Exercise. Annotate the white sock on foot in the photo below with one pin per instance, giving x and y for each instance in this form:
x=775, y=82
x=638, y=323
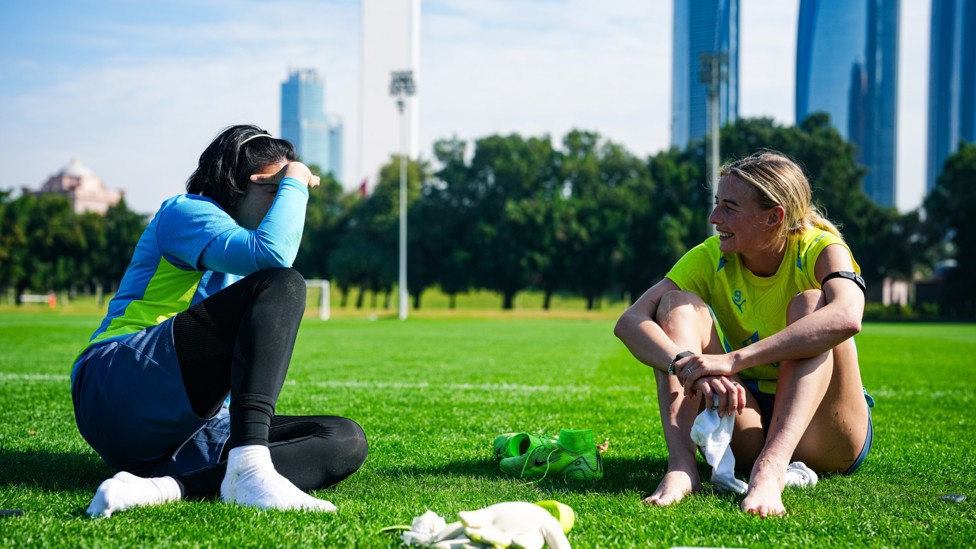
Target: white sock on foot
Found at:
x=798, y=475
x=252, y=480
x=125, y=491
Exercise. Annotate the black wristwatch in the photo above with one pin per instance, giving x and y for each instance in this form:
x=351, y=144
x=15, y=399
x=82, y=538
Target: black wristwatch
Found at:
x=677, y=357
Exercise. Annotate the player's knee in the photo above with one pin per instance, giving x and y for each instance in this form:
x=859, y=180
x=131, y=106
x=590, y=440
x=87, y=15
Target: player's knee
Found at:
x=352, y=438
x=285, y=285
x=803, y=304
x=680, y=306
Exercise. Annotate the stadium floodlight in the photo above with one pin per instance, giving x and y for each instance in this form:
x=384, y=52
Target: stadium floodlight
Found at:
x=402, y=87
x=713, y=70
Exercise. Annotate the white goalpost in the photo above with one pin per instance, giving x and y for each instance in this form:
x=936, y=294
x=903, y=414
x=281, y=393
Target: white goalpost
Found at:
x=325, y=305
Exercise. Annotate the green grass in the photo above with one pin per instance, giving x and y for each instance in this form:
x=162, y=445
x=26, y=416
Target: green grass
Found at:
x=432, y=393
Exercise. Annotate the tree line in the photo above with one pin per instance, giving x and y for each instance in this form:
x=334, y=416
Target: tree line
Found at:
x=513, y=213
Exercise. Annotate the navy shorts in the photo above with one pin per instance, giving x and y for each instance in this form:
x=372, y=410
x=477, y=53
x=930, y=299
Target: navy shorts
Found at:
x=767, y=400
x=131, y=406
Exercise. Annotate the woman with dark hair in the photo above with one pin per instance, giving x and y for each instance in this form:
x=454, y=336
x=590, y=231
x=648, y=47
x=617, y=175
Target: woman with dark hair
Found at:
x=209, y=307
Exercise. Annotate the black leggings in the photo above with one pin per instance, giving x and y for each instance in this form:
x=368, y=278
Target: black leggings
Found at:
x=239, y=341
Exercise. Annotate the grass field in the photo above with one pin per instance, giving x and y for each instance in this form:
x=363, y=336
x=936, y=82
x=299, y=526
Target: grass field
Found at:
x=433, y=392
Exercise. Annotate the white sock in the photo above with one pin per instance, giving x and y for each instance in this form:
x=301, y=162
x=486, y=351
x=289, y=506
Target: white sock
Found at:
x=252, y=480
x=125, y=491
x=798, y=475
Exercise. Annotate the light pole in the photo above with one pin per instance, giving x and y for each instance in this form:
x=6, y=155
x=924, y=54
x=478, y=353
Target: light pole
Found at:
x=713, y=71
x=402, y=87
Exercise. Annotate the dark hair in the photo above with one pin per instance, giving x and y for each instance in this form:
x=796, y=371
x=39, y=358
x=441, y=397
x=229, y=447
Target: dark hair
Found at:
x=228, y=162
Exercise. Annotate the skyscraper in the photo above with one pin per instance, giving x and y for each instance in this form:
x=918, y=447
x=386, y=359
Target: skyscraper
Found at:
x=709, y=27
x=952, y=81
x=305, y=124
x=335, y=146
x=847, y=66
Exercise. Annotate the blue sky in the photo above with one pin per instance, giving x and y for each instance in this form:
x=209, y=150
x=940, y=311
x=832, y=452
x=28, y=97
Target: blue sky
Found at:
x=136, y=89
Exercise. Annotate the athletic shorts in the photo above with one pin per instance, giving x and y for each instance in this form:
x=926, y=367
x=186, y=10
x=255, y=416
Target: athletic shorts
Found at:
x=131, y=406
x=767, y=400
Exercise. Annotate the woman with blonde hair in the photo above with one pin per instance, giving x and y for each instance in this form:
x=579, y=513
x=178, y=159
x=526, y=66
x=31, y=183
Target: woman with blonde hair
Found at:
x=758, y=322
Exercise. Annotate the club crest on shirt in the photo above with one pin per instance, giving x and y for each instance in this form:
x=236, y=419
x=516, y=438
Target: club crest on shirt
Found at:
x=738, y=300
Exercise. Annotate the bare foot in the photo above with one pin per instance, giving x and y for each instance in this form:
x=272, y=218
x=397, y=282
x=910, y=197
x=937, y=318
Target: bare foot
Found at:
x=674, y=486
x=765, y=495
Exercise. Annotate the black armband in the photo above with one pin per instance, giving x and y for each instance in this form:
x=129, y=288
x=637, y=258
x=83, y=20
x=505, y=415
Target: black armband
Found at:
x=849, y=275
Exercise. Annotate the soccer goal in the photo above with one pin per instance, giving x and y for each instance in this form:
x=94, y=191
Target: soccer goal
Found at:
x=325, y=306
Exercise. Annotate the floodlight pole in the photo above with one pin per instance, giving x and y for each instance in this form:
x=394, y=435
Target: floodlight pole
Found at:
x=402, y=87
x=713, y=71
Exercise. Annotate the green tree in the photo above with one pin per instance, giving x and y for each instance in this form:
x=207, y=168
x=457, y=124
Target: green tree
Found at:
x=450, y=204
x=596, y=175
x=13, y=241
x=949, y=208
x=504, y=170
x=123, y=227
x=324, y=215
x=367, y=256
x=53, y=245
x=666, y=214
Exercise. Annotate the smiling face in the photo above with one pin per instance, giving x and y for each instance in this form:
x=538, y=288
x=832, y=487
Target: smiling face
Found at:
x=257, y=200
x=743, y=226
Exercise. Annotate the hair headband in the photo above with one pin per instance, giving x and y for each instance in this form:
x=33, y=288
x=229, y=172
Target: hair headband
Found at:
x=255, y=136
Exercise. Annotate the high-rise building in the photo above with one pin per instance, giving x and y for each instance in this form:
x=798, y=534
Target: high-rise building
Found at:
x=305, y=124
x=952, y=81
x=847, y=66
x=390, y=41
x=335, y=146
x=702, y=27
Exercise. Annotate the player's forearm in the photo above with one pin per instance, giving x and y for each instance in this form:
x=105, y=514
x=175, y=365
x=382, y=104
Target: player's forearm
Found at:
x=809, y=336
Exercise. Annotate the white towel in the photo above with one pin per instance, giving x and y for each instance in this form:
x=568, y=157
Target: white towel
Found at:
x=713, y=434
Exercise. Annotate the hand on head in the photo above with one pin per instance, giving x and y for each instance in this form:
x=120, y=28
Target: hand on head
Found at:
x=295, y=170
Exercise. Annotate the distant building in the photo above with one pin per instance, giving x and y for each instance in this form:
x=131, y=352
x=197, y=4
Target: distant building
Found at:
x=84, y=189
x=390, y=41
x=847, y=66
x=952, y=81
x=305, y=124
x=335, y=146
x=702, y=26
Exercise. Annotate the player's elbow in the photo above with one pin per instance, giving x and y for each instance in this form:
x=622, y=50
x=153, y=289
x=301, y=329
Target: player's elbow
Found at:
x=625, y=325
x=850, y=322
x=269, y=256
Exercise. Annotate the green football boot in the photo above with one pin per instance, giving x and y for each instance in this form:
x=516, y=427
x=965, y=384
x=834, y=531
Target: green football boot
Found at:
x=516, y=444
x=573, y=455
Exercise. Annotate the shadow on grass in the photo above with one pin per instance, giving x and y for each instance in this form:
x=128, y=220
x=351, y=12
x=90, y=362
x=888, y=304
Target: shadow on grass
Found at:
x=619, y=474
x=52, y=471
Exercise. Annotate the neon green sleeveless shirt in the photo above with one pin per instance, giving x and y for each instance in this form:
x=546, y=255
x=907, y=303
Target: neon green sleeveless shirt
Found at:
x=750, y=307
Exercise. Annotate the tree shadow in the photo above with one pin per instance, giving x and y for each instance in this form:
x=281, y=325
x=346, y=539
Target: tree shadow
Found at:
x=52, y=470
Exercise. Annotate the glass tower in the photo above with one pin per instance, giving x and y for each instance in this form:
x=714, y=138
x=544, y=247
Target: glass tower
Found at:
x=952, y=81
x=847, y=66
x=303, y=119
x=702, y=26
x=335, y=146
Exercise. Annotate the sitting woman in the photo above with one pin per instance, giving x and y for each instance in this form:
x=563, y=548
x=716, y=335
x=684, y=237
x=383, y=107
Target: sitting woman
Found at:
x=759, y=322
x=209, y=308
